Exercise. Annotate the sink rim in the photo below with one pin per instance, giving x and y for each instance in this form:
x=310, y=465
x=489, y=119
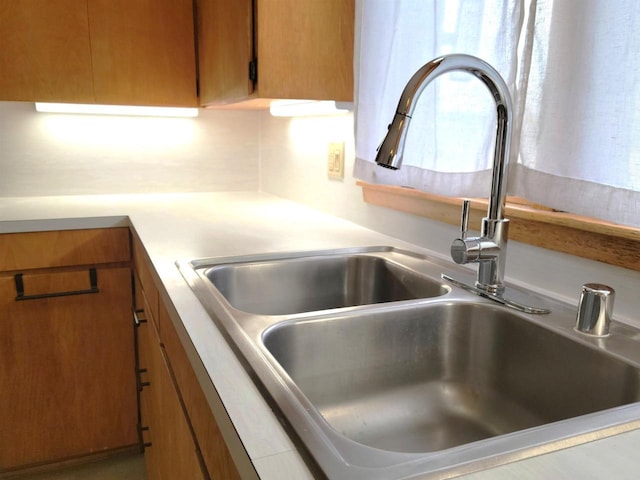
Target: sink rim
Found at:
x=339, y=456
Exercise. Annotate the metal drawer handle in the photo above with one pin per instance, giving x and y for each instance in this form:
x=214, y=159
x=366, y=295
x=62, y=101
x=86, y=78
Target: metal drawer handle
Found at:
x=138, y=317
x=141, y=431
x=93, y=279
x=141, y=384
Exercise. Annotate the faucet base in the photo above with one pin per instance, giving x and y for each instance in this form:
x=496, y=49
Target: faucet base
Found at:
x=490, y=289
x=496, y=297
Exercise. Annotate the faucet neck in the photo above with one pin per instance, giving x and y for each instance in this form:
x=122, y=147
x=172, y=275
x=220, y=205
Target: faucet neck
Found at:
x=498, y=194
x=488, y=250
x=390, y=151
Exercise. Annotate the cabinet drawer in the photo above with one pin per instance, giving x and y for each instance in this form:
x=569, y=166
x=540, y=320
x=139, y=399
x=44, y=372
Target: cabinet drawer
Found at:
x=65, y=248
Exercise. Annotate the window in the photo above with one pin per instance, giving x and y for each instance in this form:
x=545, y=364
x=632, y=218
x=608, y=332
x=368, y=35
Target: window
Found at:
x=573, y=72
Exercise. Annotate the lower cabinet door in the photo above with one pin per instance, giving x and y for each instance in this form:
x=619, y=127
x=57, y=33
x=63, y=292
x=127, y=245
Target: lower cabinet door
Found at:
x=150, y=367
x=215, y=453
x=67, y=379
x=173, y=453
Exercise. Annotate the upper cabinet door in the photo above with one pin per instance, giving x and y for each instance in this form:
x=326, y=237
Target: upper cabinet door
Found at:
x=143, y=52
x=122, y=52
x=45, y=51
x=303, y=50
x=225, y=48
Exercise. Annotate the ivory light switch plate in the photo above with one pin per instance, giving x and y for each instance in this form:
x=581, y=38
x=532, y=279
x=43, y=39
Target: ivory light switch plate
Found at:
x=335, y=160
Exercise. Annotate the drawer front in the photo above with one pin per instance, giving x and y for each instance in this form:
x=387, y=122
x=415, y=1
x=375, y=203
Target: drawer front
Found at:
x=145, y=283
x=64, y=248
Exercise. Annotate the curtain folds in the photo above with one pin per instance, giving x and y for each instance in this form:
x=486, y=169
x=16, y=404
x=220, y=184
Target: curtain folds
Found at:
x=579, y=148
x=574, y=75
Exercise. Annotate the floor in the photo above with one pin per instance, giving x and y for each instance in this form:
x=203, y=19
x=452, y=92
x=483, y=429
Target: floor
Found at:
x=130, y=467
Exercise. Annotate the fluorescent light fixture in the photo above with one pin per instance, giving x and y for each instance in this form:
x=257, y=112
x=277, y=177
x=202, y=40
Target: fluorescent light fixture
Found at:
x=89, y=109
x=298, y=108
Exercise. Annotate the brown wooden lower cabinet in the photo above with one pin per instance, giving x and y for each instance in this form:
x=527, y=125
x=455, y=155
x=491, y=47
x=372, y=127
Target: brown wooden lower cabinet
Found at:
x=171, y=452
x=215, y=453
x=181, y=435
x=67, y=380
x=69, y=369
x=68, y=366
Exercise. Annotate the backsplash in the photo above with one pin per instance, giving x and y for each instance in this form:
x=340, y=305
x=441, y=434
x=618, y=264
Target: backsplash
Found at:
x=56, y=154
x=222, y=150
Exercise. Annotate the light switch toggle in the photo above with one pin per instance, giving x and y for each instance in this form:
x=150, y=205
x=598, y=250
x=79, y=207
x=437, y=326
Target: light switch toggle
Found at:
x=335, y=160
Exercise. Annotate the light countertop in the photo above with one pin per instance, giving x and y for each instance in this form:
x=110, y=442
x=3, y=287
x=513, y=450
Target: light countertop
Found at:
x=187, y=226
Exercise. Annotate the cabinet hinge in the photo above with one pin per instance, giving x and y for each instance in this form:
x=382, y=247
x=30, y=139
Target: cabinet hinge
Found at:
x=253, y=70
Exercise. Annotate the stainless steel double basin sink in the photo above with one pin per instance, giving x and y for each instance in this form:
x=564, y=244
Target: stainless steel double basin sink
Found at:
x=383, y=370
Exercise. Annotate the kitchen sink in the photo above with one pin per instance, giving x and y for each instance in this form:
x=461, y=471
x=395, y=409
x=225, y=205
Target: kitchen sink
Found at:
x=289, y=284
x=318, y=282
x=431, y=378
x=382, y=370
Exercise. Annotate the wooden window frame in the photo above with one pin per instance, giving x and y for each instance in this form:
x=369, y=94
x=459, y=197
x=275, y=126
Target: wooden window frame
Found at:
x=533, y=224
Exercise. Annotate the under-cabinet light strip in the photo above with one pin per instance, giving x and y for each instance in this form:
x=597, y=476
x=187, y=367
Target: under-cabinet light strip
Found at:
x=296, y=108
x=89, y=109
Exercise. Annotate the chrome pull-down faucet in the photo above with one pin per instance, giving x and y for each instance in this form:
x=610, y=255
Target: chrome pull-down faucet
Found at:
x=489, y=249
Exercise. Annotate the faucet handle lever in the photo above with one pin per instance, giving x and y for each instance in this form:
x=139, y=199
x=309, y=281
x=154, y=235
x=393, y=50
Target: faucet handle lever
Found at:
x=464, y=224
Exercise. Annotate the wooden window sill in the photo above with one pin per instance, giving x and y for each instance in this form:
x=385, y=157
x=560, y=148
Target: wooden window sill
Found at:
x=532, y=224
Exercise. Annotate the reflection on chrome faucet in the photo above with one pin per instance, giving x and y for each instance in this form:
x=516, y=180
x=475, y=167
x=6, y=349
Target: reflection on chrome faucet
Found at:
x=488, y=250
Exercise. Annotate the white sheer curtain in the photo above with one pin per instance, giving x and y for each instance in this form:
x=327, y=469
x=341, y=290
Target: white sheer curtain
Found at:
x=450, y=143
x=580, y=140
x=572, y=67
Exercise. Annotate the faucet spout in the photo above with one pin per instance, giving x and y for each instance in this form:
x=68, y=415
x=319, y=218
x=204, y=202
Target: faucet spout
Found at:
x=489, y=250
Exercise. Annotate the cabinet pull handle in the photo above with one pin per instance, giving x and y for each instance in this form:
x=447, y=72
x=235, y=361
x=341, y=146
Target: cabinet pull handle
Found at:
x=93, y=279
x=141, y=431
x=141, y=384
x=137, y=320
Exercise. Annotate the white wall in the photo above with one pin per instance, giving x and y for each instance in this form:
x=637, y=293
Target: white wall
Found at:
x=293, y=165
x=44, y=154
x=49, y=154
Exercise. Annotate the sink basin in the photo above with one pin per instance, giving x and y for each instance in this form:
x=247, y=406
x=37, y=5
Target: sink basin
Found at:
x=381, y=370
x=431, y=378
x=285, y=286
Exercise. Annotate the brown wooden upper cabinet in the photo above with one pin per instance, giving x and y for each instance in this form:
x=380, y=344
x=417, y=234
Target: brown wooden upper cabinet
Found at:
x=133, y=52
x=267, y=49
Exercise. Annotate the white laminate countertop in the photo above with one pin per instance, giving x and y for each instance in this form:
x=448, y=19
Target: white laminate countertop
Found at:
x=194, y=225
